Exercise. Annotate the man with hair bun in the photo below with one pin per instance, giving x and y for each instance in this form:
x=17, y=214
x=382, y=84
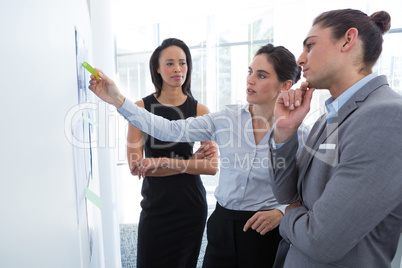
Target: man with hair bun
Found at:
x=345, y=188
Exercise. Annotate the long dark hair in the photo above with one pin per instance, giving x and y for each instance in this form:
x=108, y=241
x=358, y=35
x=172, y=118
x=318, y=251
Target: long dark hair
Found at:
x=371, y=28
x=154, y=65
x=284, y=62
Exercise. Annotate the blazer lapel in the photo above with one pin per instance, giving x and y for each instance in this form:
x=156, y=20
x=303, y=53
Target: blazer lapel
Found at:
x=350, y=106
x=315, y=134
x=308, y=151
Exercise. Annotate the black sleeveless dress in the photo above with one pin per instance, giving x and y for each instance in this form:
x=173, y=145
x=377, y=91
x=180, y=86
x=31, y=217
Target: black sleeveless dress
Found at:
x=174, y=208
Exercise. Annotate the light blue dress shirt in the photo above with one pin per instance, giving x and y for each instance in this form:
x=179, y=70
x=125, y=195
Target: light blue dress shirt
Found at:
x=333, y=105
x=245, y=168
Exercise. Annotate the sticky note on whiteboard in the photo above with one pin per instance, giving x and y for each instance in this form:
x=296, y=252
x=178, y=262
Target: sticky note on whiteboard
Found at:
x=94, y=198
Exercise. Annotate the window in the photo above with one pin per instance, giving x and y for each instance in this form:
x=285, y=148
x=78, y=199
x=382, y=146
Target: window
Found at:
x=220, y=58
x=390, y=62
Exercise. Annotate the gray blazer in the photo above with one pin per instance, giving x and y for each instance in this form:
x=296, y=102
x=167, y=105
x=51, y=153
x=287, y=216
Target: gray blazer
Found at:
x=349, y=179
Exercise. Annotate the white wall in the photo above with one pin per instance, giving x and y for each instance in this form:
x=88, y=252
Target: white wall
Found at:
x=38, y=81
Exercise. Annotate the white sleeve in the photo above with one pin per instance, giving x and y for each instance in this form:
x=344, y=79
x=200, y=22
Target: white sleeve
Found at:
x=188, y=130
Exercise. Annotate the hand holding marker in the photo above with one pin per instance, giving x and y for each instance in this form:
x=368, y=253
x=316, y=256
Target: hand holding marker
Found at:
x=91, y=70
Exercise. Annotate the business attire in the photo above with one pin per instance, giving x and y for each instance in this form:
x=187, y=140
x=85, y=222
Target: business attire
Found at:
x=174, y=208
x=244, y=186
x=349, y=179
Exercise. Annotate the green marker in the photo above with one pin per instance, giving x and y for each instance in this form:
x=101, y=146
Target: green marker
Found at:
x=90, y=69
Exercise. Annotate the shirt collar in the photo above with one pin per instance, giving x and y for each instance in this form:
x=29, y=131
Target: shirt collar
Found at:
x=333, y=105
x=246, y=107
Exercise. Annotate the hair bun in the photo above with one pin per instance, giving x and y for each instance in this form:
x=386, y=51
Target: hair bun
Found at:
x=383, y=20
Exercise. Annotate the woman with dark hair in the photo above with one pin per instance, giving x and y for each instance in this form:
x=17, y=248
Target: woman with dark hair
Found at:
x=345, y=189
x=174, y=207
x=154, y=65
x=243, y=229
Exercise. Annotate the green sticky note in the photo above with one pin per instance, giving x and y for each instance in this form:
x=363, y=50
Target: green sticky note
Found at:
x=90, y=69
x=85, y=118
x=94, y=198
